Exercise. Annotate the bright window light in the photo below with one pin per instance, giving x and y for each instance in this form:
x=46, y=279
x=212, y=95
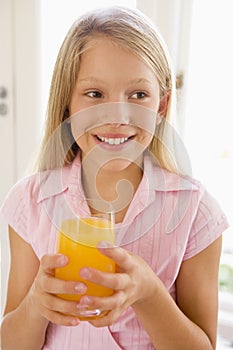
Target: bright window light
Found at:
x=208, y=129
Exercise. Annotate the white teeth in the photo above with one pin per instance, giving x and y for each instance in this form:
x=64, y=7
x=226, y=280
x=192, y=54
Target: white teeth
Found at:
x=113, y=141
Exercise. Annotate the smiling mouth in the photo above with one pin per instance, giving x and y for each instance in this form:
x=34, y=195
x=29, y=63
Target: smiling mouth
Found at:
x=114, y=141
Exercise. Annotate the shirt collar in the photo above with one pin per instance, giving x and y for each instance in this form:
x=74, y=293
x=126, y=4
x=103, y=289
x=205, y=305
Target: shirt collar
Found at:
x=162, y=180
x=57, y=181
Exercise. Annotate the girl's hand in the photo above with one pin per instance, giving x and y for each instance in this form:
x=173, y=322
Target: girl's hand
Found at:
x=133, y=283
x=43, y=293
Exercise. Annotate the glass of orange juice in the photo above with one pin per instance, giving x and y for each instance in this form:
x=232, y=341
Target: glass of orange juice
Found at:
x=78, y=239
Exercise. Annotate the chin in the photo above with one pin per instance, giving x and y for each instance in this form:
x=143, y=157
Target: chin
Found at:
x=116, y=165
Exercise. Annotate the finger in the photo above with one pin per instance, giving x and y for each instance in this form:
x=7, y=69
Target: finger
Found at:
x=63, y=320
x=114, y=281
x=122, y=257
x=54, y=285
x=60, y=305
x=50, y=262
x=59, y=318
x=103, y=303
x=107, y=320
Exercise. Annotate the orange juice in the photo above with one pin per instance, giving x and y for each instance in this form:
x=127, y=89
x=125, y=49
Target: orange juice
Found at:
x=78, y=240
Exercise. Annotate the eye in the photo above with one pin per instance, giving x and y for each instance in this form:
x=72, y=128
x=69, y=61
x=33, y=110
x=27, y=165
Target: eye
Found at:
x=139, y=95
x=94, y=94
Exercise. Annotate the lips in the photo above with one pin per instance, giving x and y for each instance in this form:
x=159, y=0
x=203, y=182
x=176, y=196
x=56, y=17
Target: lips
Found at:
x=113, y=140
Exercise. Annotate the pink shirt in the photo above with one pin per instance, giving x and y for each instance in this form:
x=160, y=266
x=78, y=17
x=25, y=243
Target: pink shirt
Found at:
x=169, y=220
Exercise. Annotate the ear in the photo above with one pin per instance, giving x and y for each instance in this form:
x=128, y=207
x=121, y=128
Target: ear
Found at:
x=66, y=114
x=164, y=104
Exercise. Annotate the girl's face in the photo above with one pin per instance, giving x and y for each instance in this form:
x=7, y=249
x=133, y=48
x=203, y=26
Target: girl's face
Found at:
x=111, y=73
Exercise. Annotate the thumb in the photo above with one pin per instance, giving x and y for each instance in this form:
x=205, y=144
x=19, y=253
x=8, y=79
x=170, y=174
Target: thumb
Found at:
x=51, y=261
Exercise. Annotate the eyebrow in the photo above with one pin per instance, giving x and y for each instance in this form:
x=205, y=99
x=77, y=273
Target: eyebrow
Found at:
x=89, y=79
x=97, y=80
x=140, y=80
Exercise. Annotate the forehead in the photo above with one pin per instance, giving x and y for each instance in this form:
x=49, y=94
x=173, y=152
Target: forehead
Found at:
x=101, y=44
x=106, y=55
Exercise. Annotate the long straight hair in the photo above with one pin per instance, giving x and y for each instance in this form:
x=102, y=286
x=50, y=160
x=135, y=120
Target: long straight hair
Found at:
x=131, y=29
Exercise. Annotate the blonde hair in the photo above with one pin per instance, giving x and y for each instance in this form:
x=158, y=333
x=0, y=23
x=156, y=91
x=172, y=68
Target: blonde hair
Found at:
x=127, y=27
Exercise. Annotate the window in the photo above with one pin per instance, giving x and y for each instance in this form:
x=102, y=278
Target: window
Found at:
x=208, y=132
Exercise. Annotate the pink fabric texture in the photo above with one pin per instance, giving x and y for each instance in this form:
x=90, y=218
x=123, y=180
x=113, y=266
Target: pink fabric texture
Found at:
x=169, y=220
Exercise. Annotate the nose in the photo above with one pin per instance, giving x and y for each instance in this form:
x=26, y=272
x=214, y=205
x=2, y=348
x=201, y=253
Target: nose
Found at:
x=118, y=113
x=116, y=95
x=116, y=125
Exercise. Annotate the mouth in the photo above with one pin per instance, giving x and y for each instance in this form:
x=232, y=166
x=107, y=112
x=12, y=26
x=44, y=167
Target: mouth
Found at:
x=113, y=140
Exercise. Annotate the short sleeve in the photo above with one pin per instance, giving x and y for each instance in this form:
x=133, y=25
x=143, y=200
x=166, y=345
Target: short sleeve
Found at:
x=15, y=208
x=209, y=223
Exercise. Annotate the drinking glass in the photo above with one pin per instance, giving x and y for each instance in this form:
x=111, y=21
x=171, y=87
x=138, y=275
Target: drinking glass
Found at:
x=78, y=239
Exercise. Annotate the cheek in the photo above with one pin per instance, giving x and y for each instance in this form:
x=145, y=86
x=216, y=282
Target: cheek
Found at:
x=145, y=138
x=81, y=142
x=84, y=143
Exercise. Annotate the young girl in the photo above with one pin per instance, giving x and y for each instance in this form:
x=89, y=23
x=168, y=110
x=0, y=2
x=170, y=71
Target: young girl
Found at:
x=113, y=67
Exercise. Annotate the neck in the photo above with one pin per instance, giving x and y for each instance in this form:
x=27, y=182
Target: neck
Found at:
x=117, y=187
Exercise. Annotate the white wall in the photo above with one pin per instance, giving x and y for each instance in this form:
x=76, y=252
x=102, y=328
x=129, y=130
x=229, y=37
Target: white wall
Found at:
x=23, y=65
x=27, y=71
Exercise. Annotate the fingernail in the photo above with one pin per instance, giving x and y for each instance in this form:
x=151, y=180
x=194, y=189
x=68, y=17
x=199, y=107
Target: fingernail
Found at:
x=104, y=244
x=74, y=322
x=81, y=307
x=85, y=301
x=85, y=273
x=80, y=288
x=63, y=260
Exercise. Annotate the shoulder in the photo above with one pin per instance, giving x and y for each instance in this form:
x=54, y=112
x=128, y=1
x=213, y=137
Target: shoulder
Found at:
x=188, y=192
x=22, y=206
x=166, y=181
x=21, y=190
x=32, y=189
x=208, y=224
x=15, y=208
x=210, y=212
x=41, y=185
